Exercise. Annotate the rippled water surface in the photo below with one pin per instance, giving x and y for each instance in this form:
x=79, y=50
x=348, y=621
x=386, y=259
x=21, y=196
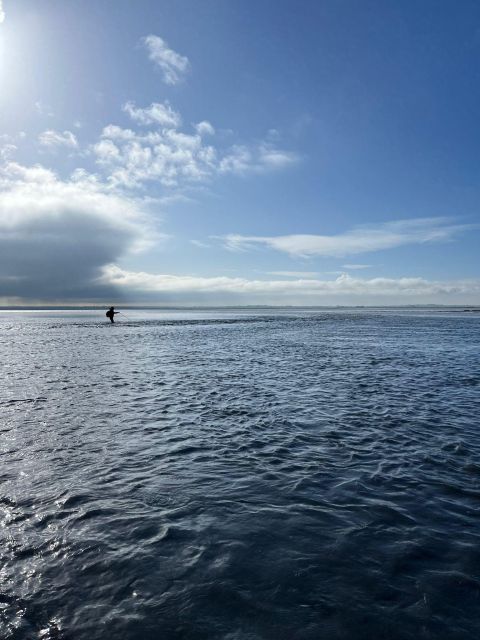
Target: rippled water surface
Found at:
x=240, y=476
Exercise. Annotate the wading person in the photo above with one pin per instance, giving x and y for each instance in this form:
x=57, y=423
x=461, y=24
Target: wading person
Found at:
x=110, y=313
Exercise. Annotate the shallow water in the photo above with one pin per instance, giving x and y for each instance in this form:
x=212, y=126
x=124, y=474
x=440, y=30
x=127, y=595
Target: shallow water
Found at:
x=240, y=475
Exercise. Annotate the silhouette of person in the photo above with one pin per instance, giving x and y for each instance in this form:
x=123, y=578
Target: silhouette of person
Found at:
x=110, y=313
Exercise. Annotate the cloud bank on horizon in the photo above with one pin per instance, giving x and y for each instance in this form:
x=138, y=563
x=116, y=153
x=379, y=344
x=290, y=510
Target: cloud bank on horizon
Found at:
x=81, y=218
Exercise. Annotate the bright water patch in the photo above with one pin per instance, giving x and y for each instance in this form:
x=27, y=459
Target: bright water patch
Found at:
x=240, y=476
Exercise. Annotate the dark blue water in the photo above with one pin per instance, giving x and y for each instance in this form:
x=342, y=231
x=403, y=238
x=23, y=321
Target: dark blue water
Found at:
x=240, y=476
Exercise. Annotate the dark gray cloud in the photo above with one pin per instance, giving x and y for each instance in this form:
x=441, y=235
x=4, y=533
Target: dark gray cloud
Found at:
x=56, y=236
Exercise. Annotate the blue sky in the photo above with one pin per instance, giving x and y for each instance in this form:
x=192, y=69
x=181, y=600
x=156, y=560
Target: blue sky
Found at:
x=224, y=152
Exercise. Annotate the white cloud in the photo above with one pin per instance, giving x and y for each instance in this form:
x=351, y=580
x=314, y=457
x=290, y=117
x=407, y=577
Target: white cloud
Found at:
x=7, y=150
x=172, y=65
x=316, y=290
x=56, y=235
x=114, y=132
x=157, y=113
x=165, y=156
x=175, y=158
x=269, y=157
x=241, y=159
x=204, y=128
x=2, y=12
x=358, y=240
x=55, y=139
x=107, y=152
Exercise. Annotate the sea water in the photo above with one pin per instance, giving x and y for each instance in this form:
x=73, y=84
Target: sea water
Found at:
x=240, y=475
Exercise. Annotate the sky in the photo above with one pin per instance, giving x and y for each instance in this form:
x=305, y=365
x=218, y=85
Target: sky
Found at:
x=297, y=152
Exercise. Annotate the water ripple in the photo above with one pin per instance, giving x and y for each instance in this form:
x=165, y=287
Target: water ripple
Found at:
x=257, y=477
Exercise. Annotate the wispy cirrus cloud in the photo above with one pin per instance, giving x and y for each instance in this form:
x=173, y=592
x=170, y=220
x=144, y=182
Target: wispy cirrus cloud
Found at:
x=172, y=65
x=364, y=239
x=52, y=139
x=265, y=156
x=2, y=12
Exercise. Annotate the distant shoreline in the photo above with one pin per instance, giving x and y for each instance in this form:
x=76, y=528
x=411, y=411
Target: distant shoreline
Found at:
x=462, y=308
